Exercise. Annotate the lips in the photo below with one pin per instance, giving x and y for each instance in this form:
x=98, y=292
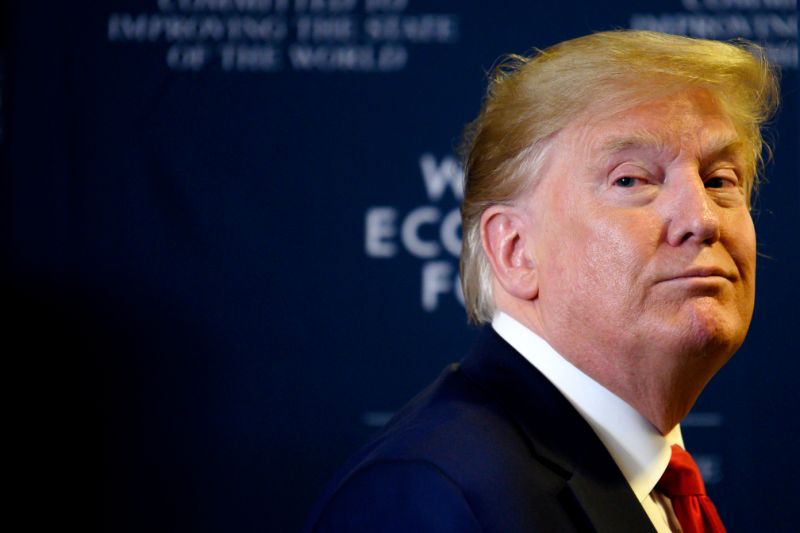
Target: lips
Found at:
x=700, y=272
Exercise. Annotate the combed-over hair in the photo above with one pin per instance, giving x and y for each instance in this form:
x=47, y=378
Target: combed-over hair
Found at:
x=531, y=98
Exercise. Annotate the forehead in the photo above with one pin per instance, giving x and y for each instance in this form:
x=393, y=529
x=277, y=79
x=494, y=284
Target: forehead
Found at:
x=690, y=120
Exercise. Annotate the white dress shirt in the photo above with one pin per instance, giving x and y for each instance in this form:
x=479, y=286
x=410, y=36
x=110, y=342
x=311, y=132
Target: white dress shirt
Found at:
x=641, y=452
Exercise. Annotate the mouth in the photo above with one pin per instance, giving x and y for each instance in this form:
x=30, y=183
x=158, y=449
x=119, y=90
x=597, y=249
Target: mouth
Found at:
x=701, y=273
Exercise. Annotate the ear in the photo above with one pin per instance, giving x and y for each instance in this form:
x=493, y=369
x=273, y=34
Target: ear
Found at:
x=505, y=234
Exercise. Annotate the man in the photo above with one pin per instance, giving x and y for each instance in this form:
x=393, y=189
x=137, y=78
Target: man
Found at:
x=608, y=240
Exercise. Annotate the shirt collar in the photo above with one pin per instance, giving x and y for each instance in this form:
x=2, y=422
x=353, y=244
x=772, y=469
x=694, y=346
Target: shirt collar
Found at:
x=641, y=452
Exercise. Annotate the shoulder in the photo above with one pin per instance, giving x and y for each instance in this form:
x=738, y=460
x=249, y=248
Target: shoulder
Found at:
x=456, y=425
x=390, y=495
x=450, y=460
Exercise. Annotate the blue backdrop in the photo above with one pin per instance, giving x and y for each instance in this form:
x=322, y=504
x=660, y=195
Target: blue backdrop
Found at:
x=229, y=247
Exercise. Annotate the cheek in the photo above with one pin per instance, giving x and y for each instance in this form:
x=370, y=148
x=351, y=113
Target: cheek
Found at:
x=617, y=251
x=589, y=253
x=743, y=247
x=740, y=240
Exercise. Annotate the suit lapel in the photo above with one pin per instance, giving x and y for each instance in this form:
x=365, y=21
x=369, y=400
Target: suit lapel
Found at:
x=559, y=437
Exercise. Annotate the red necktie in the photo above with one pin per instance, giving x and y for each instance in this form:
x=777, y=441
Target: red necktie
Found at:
x=684, y=487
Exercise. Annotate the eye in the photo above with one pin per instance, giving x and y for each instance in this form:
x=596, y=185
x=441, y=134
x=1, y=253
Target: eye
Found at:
x=627, y=182
x=716, y=183
x=722, y=180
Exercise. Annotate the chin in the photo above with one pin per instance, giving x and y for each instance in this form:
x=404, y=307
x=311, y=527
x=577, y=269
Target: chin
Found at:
x=712, y=329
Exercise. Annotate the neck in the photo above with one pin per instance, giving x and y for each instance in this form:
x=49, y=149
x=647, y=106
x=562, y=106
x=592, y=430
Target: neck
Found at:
x=661, y=383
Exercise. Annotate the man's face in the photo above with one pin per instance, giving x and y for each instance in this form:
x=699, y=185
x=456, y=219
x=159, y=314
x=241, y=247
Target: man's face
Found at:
x=644, y=244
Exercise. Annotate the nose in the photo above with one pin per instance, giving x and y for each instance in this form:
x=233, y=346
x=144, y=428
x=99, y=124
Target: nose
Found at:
x=692, y=214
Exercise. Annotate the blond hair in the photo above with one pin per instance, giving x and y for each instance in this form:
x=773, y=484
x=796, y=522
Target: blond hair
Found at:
x=531, y=98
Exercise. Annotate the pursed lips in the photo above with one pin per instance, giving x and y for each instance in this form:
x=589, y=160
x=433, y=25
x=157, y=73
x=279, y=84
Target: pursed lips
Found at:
x=702, y=272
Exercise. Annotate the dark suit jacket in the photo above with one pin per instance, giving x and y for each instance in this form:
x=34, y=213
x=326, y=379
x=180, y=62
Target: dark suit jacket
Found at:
x=489, y=446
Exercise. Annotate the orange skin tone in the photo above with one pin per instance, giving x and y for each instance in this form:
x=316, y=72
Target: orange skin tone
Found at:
x=633, y=255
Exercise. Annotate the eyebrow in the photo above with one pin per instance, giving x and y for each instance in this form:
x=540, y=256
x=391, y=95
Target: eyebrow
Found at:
x=642, y=139
x=715, y=146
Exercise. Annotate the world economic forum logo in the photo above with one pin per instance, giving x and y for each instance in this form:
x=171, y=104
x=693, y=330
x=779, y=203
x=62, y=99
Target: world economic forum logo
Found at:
x=430, y=232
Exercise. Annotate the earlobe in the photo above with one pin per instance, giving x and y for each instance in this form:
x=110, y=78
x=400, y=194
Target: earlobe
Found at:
x=506, y=238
